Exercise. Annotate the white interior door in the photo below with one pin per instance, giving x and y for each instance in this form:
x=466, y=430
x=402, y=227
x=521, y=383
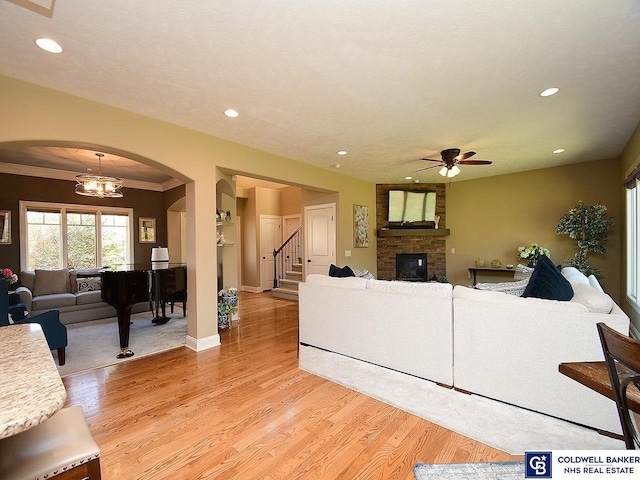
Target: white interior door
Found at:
x=270, y=239
x=320, y=238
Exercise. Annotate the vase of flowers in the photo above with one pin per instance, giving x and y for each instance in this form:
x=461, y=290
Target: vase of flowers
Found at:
x=532, y=254
x=8, y=276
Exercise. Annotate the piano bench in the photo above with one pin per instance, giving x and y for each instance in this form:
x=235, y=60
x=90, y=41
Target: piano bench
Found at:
x=61, y=447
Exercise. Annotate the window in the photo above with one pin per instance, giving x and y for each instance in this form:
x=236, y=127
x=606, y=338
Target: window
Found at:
x=633, y=253
x=74, y=236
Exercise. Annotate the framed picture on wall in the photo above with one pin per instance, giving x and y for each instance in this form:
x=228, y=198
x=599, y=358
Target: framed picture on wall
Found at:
x=5, y=226
x=147, y=230
x=360, y=226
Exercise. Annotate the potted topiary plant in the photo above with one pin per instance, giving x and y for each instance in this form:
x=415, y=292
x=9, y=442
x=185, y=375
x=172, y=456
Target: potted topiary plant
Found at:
x=587, y=225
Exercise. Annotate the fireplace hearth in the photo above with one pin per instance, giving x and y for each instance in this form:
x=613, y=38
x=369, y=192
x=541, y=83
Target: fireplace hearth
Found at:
x=411, y=267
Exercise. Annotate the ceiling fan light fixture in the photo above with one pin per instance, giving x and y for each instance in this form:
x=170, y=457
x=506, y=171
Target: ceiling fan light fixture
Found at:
x=98, y=185
x=449, y=172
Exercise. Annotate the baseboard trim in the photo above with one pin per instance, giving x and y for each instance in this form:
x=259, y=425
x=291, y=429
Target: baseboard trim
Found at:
x=248, y=288
x=200, y=344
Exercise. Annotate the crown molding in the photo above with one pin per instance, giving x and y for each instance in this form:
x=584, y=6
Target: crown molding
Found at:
x=54, y=174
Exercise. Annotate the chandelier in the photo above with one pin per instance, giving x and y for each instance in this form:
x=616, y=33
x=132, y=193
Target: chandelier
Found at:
x=98, y=185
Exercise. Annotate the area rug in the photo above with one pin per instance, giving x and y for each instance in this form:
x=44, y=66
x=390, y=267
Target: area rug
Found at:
x=506, y=427
x=95, y=344
x=475, y=471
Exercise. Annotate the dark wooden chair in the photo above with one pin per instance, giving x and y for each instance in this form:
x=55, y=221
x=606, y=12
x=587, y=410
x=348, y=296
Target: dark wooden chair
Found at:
x=622, y=355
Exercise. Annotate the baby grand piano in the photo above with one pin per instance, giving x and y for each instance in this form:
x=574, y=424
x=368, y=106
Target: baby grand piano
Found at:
x=125, y=285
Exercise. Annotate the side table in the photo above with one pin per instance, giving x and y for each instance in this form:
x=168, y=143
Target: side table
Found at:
x=475, y=270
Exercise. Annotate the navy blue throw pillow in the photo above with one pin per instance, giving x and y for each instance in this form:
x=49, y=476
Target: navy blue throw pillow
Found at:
x=341, y=272
x=547, y=282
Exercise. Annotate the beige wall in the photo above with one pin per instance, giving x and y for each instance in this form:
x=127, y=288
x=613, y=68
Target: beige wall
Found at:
x=492, y=217
x=31, y=113
x=290, y=201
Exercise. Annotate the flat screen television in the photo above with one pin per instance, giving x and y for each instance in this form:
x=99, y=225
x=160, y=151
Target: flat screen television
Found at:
x=411, y=208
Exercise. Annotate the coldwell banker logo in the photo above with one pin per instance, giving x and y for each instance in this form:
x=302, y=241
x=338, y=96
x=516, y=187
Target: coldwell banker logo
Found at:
x=537, y=465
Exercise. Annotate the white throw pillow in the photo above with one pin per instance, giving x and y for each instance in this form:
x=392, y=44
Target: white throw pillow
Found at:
x=511, y=288
x=88, y=284
x=595, y=301
x=593, y=281
x=574, y=276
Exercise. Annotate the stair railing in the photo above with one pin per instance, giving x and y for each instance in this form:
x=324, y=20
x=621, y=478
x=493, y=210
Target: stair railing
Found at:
x=286, y=255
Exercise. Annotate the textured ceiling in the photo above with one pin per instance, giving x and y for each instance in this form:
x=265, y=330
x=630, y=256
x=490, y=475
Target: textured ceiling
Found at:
x=390, y=82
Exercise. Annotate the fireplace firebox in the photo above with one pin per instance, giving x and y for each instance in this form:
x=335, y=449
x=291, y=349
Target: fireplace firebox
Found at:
x=411, y=267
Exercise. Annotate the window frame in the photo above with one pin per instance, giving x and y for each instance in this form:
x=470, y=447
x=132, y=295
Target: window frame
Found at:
x=633, y=246
x=63, y=209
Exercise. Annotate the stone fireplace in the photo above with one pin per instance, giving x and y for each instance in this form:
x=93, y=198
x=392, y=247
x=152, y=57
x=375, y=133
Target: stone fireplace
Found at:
x=411, y=267
x=391, y=242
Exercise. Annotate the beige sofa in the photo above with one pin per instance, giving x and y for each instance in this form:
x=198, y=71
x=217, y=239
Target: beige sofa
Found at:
x=74, y=293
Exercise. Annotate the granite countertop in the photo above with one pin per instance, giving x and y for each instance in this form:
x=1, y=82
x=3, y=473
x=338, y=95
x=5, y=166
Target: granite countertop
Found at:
x=31, y=389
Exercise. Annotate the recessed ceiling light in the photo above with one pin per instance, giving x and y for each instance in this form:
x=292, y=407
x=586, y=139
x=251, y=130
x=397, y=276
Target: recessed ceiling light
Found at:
x=558, y=150
x=337, y=165
x=416, y=181
x=49, y=45
x=342, y=152
x=408, y=178
x=549, y=91
x=231, y=113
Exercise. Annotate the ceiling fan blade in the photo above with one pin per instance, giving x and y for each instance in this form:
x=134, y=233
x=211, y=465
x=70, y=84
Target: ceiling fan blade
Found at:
x=474, y=162
x=432, y=166
x=431, y=160
x=464, y=156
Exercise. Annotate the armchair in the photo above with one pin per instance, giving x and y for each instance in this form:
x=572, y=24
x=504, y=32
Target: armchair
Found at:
x=54, y=331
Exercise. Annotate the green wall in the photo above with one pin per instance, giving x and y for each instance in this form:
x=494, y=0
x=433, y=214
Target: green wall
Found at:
x=492, y=217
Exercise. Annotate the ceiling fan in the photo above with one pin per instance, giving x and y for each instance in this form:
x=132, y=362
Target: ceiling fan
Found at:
x=451, y=158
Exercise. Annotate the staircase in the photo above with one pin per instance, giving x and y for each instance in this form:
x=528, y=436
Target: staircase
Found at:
x=287, y=265
x=289, y=284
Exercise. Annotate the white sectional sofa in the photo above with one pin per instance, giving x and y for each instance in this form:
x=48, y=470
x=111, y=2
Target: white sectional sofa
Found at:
x=404, y=326
x=489, y=343
x=509, y=348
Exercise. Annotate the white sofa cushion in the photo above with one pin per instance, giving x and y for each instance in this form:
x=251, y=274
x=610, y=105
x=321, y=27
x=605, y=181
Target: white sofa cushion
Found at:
x=531, y=303
x=341, y=282
x=435, y=289
x=595, y=301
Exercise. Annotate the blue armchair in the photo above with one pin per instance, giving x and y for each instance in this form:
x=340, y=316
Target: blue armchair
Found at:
x=54, y=331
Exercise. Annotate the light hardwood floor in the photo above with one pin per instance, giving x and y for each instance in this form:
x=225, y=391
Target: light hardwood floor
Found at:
x=245, y=411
